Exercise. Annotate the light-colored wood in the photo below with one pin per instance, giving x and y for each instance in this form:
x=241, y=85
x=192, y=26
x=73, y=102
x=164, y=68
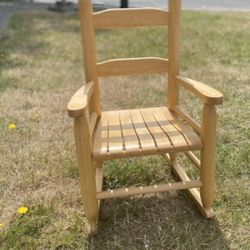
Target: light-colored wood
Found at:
x=189, y=136
x=173, y=51
x=167, y=158
x=146, y=141
x=123, y=192
x=99, y=179
x=98, y=164
x=86, y=169
x=100, y=146
x=131, y=141
x=127, y=133
x=115, y=139
x=132, y=66
x=79, y=101
x=176, y=138
x=138, y=132
x=193, y=193
x=188, y=119
x=92, y=122
x=170, y=158
x=99, y=183
x=208, y=136
x=191, y=156
x=162, y=141
x=207, y=94
x=89, y=51
x=193, y=159
x=127, y=18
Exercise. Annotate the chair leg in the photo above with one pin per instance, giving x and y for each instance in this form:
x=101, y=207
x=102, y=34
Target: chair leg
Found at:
x=99, y=179
x=172, y=159
x=208, y=156
x=193, y=193
x=86, y=171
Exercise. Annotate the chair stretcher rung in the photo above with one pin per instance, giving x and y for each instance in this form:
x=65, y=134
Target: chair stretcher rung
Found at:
x=191, y=156
x=121, y=192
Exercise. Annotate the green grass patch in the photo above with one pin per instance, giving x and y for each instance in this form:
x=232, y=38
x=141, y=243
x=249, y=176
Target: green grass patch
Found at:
x=24, y=230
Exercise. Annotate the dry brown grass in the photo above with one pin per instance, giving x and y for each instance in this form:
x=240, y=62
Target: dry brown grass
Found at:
x=41, y=67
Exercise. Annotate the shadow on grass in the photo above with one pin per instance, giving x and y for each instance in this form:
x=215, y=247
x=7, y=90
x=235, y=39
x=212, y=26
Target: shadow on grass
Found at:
x=166, y=221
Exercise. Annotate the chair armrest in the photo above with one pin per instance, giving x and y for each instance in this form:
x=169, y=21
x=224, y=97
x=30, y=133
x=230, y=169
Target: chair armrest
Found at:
x=79, y=101
x=208, y=94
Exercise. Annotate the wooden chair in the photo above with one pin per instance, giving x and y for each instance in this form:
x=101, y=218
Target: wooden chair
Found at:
x=104, y=135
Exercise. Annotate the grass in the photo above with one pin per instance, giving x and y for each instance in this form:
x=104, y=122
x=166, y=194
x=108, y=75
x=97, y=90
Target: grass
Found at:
x=41, y=67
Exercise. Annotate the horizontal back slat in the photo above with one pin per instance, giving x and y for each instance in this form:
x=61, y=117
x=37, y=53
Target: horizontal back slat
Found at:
x=132, y=66
x=126, y=18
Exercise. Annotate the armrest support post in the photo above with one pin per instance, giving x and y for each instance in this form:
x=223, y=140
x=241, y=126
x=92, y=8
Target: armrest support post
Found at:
x=208, y=136
x=86, y=167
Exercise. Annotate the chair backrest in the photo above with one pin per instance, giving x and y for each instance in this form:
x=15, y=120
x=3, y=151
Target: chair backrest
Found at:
x=127, y=18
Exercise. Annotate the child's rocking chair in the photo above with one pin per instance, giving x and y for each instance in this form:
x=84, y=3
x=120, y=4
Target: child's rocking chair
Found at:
x=103, y=135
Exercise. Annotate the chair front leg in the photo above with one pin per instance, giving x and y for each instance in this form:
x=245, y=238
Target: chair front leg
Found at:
x=208, y=155
x=86, y=169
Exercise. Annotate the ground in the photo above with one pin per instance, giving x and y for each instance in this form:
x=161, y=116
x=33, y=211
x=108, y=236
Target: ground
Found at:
x=41, y=67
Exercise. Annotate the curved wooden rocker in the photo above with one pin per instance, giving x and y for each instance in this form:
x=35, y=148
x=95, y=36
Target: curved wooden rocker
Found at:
x=103, y=135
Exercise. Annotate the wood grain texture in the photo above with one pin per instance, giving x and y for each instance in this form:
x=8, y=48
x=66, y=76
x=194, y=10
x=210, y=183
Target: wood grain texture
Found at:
x=131, y=140
x=189, y=136
x=146, y=140
x=100, y=145
x=99, y=183
x=208, y=136
x=127, y=133
x=176, y=138
x=161, y=139
x=89, y=51
x=86, y=169
x=193, y=193
x=127, y=18
x=80, y=100
x=132, y=66
x=208, y=94
x=123, y=192
x=115, y=139
x=190, y=155
x=92, y=122
x=188, y=119
x=138, y=132
x=174, y=51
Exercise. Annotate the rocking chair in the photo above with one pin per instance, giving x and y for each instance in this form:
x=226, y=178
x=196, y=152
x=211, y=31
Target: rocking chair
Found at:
x=104, y=135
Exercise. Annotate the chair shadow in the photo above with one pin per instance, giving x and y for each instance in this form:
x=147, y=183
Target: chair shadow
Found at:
x=163, y=221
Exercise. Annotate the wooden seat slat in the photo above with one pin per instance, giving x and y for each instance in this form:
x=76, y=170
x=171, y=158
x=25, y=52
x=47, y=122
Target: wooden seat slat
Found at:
x=177, y=139
x=131, y=142
x=115, y=139
x=161, y=139
x=100, y=145
x=190, y=137
x=138, y=132
x=146, y=140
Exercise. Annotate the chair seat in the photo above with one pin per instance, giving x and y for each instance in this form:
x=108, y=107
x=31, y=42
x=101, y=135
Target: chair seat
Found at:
x=138, y=132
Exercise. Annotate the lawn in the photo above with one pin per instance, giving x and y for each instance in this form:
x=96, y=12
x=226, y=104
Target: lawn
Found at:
x=40, y=68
